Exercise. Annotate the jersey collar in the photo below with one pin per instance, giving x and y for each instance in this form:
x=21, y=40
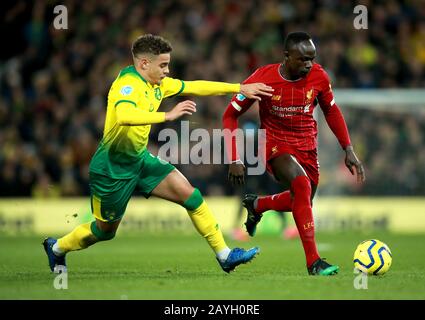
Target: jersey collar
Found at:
x=281, y=75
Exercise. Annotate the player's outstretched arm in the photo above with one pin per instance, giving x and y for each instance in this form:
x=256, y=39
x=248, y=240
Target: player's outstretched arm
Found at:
x=128, y=115
x=212, y=88
x=256, y=90
x=351, y=161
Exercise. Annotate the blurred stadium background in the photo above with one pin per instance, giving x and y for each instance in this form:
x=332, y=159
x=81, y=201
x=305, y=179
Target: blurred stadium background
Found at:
x=54, y=85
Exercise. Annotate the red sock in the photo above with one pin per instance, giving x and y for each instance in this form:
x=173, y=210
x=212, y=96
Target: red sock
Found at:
x=279, y=202
x=303, y=216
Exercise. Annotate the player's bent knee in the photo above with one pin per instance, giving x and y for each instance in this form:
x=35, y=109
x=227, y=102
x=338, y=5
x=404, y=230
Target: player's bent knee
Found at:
x=100, y=234
x=194, y=201
x=301, y=184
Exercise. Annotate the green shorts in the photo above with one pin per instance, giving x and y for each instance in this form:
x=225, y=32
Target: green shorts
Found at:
x=109, y=196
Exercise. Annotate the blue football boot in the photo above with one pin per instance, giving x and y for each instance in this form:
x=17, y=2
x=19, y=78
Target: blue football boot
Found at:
x=57, y=264
x=238, y=256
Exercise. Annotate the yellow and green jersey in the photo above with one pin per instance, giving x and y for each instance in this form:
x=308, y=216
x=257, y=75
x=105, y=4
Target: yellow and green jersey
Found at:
x=119, y=153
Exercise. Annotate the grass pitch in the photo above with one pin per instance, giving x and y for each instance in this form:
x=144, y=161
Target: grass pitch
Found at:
x=183, y=267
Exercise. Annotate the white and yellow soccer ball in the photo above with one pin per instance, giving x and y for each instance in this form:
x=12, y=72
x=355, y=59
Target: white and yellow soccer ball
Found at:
x=373, y=257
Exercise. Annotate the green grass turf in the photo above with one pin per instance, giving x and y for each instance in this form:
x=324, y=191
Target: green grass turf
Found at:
x=183, y=267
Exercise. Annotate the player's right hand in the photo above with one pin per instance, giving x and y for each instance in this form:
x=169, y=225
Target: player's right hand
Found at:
x=236, y=174
x=181, y=109
x=255, y=90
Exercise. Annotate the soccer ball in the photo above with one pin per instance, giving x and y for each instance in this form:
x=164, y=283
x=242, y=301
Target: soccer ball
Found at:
x=372, y=257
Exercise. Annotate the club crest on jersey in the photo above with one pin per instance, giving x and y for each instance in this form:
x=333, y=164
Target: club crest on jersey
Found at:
x=158, y=94
x=126, y=90
x=309, y=94
x=240, y=97
x=276, y=97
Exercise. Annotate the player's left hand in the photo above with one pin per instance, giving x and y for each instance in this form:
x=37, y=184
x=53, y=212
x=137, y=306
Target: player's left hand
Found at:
x=352, y=160
x=255, y=90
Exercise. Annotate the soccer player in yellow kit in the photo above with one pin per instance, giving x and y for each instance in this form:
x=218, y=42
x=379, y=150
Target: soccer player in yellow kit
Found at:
x=122, y=163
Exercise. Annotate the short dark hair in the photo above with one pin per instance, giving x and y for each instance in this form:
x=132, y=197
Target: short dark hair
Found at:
x=149, y=43
x=295, y=38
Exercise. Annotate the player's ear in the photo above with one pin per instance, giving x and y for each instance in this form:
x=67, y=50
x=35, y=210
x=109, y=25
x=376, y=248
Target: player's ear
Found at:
x=285, y=55
x=145, y=64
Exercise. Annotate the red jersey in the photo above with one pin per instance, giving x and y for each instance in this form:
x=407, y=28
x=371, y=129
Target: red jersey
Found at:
x=287, y=116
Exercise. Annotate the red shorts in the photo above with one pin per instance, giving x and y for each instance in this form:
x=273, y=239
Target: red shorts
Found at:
x=307, y=159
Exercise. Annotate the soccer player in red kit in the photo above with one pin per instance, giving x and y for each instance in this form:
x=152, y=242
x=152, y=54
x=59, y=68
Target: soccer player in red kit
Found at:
x=291, y=140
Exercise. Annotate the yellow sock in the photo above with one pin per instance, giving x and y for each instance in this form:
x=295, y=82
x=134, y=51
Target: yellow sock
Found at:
x=79, y=238
x=204, y=221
